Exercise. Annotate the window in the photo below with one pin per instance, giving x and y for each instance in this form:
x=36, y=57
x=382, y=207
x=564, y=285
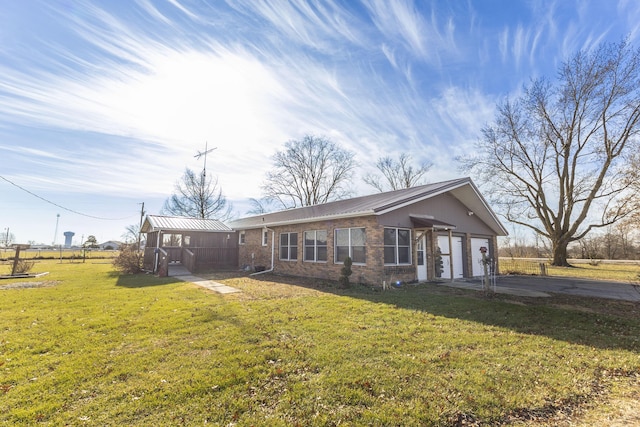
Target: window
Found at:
x=315, y=246
x=350, y=242
x=186, y=240
x=170, y=239
x=241, y=238
x=397, y=246
x=289, y=246
x=265, y=237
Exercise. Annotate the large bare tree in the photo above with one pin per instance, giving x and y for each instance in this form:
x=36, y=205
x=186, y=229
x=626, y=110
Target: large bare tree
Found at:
x=309, y=171
x=397, y=174
x=198, y=196
x=554, y=156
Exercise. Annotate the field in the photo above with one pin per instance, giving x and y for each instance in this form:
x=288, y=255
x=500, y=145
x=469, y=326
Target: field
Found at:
x=85, y=345
x=610, y=270
x=65, y=254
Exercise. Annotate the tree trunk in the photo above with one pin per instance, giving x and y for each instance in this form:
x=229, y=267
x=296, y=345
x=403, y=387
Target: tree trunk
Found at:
x=560, y=253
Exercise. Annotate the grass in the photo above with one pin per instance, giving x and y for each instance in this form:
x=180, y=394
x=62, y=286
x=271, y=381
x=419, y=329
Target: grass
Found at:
x=97, y=348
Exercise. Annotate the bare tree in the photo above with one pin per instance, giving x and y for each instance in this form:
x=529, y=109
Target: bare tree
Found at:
x=633, y=179
x=309, y=171
x=260, y=206
x=397, y=174
x=198, y=196
x=553, y=158
x=132, y=236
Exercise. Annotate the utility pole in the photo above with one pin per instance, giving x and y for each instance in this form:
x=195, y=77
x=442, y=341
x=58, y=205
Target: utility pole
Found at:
x=55, y=234
x=204, y=153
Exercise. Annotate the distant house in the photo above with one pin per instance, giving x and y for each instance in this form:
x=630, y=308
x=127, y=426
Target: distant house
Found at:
x=110, y=245
x=196, y=243
x=428, y=232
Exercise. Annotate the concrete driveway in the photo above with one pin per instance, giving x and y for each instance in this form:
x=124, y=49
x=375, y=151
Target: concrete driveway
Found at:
x=572, y=286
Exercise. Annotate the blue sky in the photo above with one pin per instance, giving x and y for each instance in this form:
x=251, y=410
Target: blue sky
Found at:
x=104, y=103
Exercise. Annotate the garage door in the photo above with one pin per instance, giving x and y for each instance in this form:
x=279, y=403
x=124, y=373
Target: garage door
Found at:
x=476, y=255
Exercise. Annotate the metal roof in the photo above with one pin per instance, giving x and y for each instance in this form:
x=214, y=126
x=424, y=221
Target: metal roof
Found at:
x=179, y=223
x=377, y=204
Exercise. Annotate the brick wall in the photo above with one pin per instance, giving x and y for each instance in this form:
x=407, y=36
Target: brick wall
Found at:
x=374, y=272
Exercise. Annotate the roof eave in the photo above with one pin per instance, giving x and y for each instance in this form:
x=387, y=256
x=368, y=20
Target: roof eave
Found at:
x=304, y=220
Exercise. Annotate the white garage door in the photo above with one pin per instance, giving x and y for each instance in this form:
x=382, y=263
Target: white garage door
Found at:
x=476, y=255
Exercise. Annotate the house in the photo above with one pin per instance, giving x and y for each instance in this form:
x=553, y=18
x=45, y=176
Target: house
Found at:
x=110, y=245
x=196, y=243
x=422, y=233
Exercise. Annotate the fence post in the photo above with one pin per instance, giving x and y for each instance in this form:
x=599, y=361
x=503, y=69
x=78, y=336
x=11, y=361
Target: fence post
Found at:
x=543, y=269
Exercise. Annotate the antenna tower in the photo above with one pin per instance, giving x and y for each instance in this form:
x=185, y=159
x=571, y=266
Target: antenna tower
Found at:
x=204, y=153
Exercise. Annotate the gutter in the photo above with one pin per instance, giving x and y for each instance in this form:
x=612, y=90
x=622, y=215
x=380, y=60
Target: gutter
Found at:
x=302, y=220
x=273, y=252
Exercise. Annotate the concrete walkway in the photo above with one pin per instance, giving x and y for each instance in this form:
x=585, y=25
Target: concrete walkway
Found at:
x=477, y=286
x=180, y=272
x=536, y=286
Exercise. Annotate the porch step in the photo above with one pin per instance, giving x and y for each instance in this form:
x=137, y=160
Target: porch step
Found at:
x=178, y=270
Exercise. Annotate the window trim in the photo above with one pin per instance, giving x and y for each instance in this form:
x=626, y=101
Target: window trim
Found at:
x=397, y=247
x=315, y=246
x=241, y=238
x=289, y=246
x=350, y=246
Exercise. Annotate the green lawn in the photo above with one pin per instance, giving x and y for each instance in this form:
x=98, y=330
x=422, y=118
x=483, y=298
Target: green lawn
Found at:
x=92, y=347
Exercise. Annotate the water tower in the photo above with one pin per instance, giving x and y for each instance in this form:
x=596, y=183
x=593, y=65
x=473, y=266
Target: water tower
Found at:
x=68, y=235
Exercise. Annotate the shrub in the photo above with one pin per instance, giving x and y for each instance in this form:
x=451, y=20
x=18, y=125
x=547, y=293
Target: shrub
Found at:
x=23, y=266
x=129, y=260
x=345, y=272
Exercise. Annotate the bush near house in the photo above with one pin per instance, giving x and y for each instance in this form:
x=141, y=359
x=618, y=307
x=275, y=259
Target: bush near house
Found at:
x=129, y=259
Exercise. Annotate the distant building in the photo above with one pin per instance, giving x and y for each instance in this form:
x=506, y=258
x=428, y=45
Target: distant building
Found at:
x=110, y=245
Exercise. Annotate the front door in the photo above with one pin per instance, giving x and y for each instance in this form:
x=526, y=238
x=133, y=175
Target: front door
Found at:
x=422, y=259
x=450, y=257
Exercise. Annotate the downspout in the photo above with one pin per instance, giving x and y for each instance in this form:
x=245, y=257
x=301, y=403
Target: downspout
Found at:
x=451, y=254
x=273, y=253
x=157, y=252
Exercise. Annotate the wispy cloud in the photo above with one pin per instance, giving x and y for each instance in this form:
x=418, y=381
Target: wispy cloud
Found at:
x=136, y=94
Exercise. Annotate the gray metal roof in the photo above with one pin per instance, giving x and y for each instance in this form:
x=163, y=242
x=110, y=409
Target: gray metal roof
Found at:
x=179, y=223
x=374, y=204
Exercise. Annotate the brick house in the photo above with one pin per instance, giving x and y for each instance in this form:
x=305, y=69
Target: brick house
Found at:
x=429, y=232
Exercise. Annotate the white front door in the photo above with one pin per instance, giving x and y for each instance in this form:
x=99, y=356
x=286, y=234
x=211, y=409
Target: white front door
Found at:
x=450, y=256
x=422, y=259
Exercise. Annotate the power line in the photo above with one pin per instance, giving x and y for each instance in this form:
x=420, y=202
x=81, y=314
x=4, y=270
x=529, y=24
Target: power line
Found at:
x=60, y=206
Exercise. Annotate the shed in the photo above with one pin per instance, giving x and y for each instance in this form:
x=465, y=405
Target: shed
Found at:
x=198, y=244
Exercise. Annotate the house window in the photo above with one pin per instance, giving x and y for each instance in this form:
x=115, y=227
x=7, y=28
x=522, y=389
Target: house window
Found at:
x=289, y=246
x=315, y=246
x=350, y=242
x=265, y=237
x=397, y=246
x=241, y=238
x=171, y=239
x=186, y=240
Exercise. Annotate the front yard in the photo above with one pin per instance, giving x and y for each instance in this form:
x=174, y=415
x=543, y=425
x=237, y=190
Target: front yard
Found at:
x=86, y=346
